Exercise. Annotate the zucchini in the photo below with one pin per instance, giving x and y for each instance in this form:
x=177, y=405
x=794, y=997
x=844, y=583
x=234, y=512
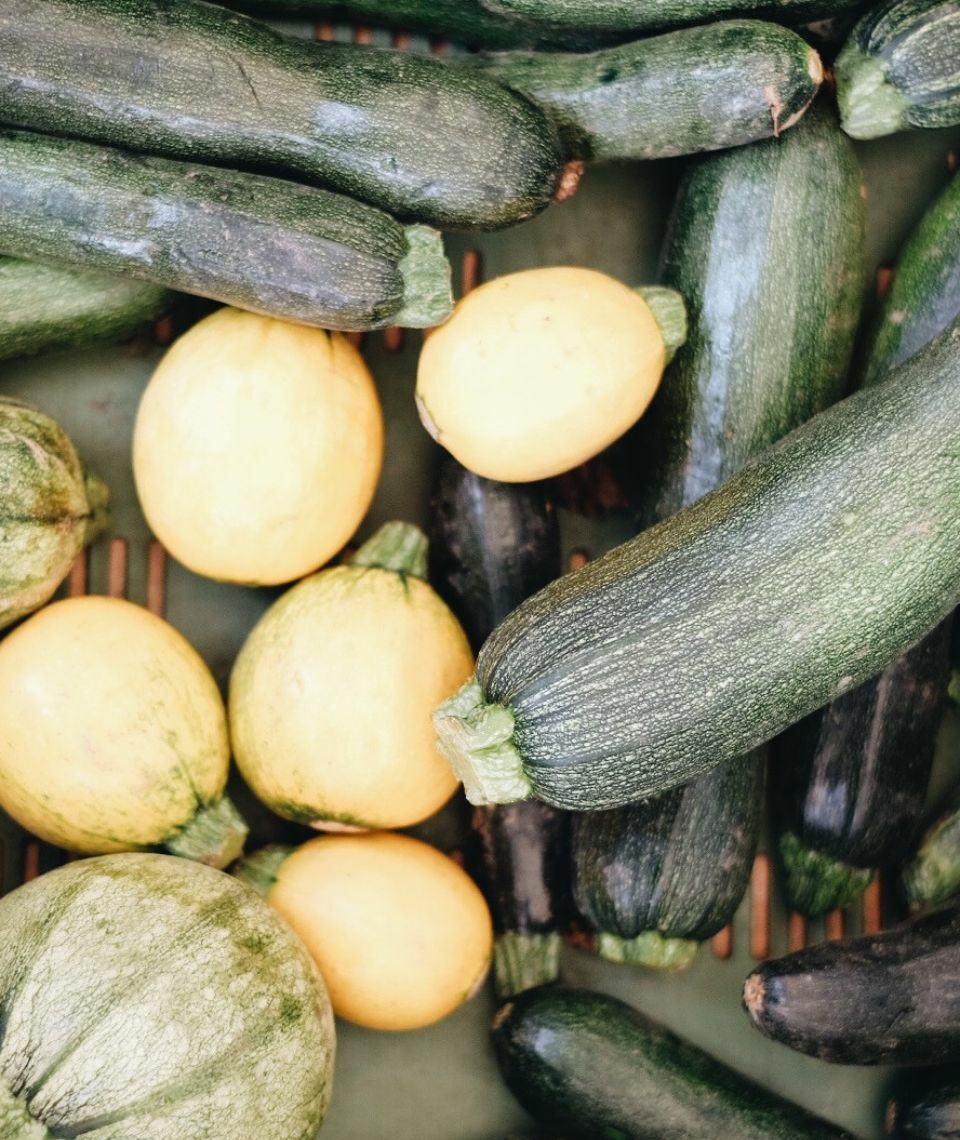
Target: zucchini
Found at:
x=193, y=81
x=852, y=779
x=900, y=68
x=258, y=243
x=588, y=1062
x=879, y=999
x=46, y=307
x=698, y=89
x=933, y=874
x=826, y=557
x=928, y=1109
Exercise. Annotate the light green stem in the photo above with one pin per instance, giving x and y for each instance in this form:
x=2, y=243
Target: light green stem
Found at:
x=398, y=546
x=648, y=949
x=870, y=106
x=16, y=1123
x=427, y=284
x=670, y=313
x=815, y=883
x=260, y=870
x=215, y=836
x=98, y=500
x=933, y=875
x=523, y=961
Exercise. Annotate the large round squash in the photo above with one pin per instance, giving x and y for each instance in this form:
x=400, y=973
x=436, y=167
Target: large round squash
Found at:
x=332, y=694
x=147, y=998
x=257, y=447
x=113, y=734
x=401, y=934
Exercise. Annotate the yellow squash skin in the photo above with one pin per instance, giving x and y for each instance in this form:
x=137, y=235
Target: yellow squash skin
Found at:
x=257, y=447
x=112, y=729
x=538, y=371
x=401, y=934
x=332, y=694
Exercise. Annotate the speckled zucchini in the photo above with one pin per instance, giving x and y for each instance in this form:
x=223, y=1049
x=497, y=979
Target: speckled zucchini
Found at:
x=191, y=80
x=278, y=248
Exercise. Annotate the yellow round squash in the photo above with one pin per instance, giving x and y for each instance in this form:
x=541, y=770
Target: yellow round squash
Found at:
x=536, y=372
x=332, y=693
x=257, y=447
x=113, y=734
x=401, y=934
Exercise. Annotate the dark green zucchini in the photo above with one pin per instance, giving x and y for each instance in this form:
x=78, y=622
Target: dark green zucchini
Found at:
x=275, y=247
x=927, y=1109
x=590, y=1063
x=705, y=88
x=879, y=999
x=933, y=874
x=900, y=67
x=193, y=81
x=45, y=307
x=796, y=580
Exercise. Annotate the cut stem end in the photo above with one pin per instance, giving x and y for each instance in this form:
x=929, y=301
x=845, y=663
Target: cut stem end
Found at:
x=523, y=961
x=648, y=949
x=427, y=280
x=215, y=836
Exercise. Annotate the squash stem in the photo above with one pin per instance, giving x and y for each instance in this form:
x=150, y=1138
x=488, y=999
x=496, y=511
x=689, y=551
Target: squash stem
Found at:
x=477, y=740
x=933, y=875
x=870, y=106
x=651, y=948
x=16, y=1123
x=260, y=870
x=397, y=546
x=215, y=836
x=814, y=883
x=98, y=501
x=523, y=961
x=670, y=313
x=427, y=285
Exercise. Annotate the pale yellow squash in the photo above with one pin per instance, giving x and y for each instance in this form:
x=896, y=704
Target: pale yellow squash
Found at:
x=402, y=935
x=332, y=694
x=113, y=734
x=536, y=372
x=257, y=447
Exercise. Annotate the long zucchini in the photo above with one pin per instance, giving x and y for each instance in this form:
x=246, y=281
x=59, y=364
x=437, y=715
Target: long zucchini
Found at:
x=589, y=1063
x=799, y=578
x=927, y=1109
x=258, y=243
x=698, y=89
x=900, y=67
x=193, y=81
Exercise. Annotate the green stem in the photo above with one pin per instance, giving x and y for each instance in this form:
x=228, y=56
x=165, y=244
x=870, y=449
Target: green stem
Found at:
x=477, y=740
x=98, y=501
x=933, y=875
x=398, y=546
x=16, y=1123
x=870, y=106
x=260, y=870
x=523, y=961
x=427, y=286
x=215, y=836
x=814, y=883
x=648, y=949
x=670, y=313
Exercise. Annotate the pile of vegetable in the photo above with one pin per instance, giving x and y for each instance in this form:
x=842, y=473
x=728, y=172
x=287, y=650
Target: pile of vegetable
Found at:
x=779, y=625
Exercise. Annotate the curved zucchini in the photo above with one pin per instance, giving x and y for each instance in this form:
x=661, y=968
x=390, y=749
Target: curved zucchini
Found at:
x=258, y=243
x=933, y=874
x=46, y=307
x=929, y=1109
x=352, y=118
x=880, y=999
x=589, y=1063
x=705, y=88
x=900, y=68
x=826, y=557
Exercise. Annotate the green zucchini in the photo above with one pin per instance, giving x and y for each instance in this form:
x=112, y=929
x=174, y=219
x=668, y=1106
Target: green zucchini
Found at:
x=193, y=81
x=592, y=1064
x=900, y=68
x=799, y=578
x=698, y=89
x=45, y=307
x=278, y=248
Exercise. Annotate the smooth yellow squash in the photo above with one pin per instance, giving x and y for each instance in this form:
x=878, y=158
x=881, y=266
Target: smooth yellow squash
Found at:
x=332, y=694
x=401, y=934
x=113, y=734
x=257, y=447
x=536, y=372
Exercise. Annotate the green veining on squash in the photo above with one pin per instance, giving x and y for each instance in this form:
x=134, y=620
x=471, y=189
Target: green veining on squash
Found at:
x=397, y=546
x=214, y=836
x=648, y=949
x=815, y=883
x=522, y=961
x=16, y=1123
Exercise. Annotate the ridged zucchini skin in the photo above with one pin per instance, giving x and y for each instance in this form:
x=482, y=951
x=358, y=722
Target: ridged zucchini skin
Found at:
x=45, y=307
x=825, y=558
x=900, y=68
x=592, y=1064
x=258, y=243
x=929, y=1110
x=698, y=89
x=190, y=80
x=879, y=999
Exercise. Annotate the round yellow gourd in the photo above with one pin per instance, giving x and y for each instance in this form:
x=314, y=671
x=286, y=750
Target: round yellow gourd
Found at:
x=536, y=372
x=257, y=447
x=113, y=734
x=402, y=935
x=332, y=694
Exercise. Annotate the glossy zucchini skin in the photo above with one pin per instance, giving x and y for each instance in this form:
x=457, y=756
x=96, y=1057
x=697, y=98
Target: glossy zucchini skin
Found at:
x=930, y=1110
x=275, y=247
x=593, y=1065
x=878, y=999
x=698, y=89
x=191, y=80
x=900, y=68
x=45, y=307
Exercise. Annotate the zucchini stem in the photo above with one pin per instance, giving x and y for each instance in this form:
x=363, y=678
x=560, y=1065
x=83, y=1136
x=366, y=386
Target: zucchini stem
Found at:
x=651, y=948
x=870, y=106
x=98, y=501
x=815, y=883
x=261, y=869
x=427, y=284
x=670, y=313
x=933, y=875
x=215, y=836
x=16, y=1123
x=523, y=961
x=397, y=546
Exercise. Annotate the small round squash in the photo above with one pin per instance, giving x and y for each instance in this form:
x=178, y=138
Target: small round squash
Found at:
x=536, y=372
x=257, y=447
x=401, y=934
x=113, y=734
x=332, y=694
